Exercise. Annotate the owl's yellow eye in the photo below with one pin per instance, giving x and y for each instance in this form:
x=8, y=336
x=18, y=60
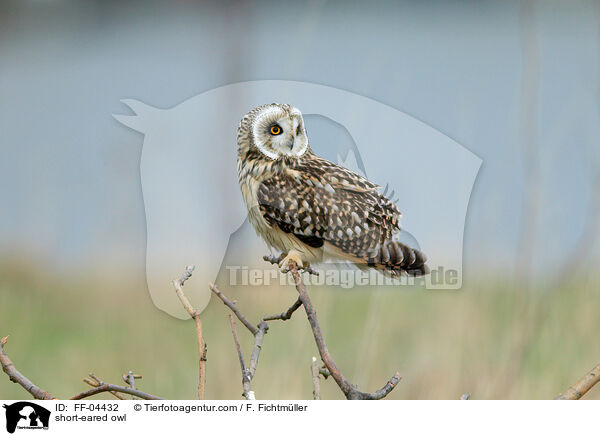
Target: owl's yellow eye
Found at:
x=275, y=130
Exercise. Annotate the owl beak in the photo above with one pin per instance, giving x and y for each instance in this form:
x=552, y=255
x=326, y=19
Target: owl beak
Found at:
x=291, y=144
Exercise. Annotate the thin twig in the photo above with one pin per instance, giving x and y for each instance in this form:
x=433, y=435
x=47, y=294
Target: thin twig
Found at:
x=131, y=379
x=247, y=389
x=348, y=389
x=233, y=308
x=16, y=377
x=258, y=340
x=178, y=285
x=130, y=374
x=236, y=340
x=581, y=388
x=284, y=316
x=314, y=368
x=97, y=382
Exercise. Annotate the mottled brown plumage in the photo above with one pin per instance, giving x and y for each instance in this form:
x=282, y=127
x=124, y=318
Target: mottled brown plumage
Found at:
x=299, y=202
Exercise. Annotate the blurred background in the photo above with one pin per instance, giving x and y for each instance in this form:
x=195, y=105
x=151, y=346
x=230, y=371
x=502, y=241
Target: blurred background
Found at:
x=516, y=83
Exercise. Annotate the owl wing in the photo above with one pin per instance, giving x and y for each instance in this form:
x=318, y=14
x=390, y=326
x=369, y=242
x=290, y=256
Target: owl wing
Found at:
x=319, y=201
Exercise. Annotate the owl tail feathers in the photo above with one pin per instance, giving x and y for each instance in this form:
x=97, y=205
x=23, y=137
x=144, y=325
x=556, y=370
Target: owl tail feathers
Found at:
x=397, y=258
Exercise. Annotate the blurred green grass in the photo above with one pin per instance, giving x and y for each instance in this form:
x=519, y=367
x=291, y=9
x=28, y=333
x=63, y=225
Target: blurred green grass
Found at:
x=443, y=343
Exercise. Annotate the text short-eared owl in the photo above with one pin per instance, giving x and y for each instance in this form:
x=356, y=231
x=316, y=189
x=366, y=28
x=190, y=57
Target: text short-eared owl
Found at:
x=309, y=208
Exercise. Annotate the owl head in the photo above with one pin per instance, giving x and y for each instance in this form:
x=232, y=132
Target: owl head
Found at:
x=276, y=130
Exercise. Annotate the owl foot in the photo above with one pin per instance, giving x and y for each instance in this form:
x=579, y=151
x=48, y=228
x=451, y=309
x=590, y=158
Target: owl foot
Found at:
x=284, y=264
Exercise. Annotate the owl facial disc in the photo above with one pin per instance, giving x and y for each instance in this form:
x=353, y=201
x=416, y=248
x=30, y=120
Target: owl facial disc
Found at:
x=278, y=131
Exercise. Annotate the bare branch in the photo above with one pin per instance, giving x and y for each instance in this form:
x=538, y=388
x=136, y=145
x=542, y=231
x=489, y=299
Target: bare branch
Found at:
x=178, y=285
x=233, y=308
x=582, y=387
x=348, y=389
x=314, y=368
x=16, y=377
x=284, y=316
x=107, y=387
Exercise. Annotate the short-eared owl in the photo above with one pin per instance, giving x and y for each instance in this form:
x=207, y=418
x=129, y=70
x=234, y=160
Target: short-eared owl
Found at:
x=309, y=208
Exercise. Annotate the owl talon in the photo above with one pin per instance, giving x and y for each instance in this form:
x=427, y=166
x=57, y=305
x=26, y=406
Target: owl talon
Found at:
x=284, y=264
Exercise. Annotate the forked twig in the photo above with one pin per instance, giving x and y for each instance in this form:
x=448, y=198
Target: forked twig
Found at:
x=249, y=371
x=348, y=389
x=331, y=369
x=258, y=333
